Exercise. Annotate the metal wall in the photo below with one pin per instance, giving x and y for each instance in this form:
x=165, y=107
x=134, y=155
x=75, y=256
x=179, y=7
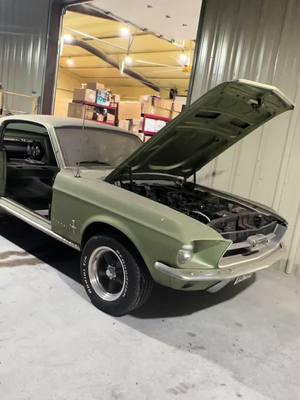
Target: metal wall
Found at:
x=23, y=48
x=258, y=40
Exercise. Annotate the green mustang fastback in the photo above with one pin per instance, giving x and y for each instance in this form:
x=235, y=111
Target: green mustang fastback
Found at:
x=135, y=210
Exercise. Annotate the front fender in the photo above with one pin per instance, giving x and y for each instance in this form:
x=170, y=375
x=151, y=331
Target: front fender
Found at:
x=157, y=231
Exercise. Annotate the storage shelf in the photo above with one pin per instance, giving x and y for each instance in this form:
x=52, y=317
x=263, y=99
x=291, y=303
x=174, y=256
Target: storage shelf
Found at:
x=157, y=117
x=153, y=117
x=104, y=123
x=87, y=103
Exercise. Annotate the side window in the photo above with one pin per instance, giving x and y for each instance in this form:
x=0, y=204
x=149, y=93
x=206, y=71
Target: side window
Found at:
x=27, y=141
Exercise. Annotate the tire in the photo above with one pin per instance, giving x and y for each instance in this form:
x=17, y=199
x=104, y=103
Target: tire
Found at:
x=114, y=276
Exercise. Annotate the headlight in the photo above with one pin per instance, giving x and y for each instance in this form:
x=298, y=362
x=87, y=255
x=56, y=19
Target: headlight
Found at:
x=185, y=254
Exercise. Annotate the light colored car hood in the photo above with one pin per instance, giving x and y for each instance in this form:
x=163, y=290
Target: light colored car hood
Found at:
x=213, y=123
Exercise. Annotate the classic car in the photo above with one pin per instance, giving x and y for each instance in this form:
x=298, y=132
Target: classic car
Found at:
x=136, y=211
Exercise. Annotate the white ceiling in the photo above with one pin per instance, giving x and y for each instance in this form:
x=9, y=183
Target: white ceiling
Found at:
x=174, y=19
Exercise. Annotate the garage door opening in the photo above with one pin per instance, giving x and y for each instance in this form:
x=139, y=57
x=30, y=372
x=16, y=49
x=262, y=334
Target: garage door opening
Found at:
x=118, y=73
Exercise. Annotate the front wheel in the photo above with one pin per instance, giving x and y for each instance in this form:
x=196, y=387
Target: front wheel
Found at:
x=114, y=276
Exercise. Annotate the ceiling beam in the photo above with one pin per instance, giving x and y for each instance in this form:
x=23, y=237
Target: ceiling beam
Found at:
x=100, y=54
x=128, y=77
x=111, y=67
x=132, y=53
x=116, y=36
x=87, y=9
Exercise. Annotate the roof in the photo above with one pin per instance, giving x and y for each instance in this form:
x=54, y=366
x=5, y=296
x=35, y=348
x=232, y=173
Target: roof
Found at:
x=59, y=121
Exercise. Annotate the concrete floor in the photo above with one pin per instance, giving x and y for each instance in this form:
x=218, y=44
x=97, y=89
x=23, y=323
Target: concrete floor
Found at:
x=241, y=343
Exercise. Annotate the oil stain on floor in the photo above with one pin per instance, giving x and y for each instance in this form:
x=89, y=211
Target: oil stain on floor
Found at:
x=17, y=259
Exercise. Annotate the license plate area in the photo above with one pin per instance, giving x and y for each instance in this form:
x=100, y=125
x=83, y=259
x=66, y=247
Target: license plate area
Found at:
x=242, y=278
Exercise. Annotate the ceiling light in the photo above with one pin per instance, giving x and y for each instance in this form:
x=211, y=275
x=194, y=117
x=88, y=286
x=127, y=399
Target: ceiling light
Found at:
x=128, y=60
x=68, y=38
x=124, y=32
x=70, y=62
x=183, y=59
x=122, y=65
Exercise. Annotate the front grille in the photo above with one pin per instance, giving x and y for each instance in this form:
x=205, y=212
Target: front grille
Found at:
x=241, y=236
x=257, y=241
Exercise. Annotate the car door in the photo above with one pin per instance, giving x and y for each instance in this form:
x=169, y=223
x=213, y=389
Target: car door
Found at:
x=29, y=165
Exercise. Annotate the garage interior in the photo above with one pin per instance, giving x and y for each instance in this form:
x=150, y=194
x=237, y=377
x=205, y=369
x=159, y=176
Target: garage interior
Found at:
x=136, y=79
x=239, y=343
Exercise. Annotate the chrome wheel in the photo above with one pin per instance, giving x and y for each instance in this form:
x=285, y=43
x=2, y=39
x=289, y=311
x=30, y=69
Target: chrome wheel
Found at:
x=106, y=273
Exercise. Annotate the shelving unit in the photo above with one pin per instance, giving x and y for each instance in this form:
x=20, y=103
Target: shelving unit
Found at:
x=104, y=107
x=151, y=129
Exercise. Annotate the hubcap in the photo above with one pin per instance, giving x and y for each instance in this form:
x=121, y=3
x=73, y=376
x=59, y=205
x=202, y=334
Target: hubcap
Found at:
x=106, y=273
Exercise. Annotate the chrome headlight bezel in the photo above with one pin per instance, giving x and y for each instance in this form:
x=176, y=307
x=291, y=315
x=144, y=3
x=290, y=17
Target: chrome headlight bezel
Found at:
x=185, y=254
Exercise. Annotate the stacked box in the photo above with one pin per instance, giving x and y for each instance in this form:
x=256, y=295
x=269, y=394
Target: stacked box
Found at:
x=179, y=103
x=95, y=86
x=111, y=118
x=77, y=110
x=129, y=110
x=115, y=98
x=123, y=124
x=156, y=106
x=102, y=97
x=135, y=125
x=174, y=114
x=87, y=95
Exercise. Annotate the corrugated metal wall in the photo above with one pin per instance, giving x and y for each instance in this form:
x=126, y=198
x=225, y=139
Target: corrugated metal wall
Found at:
x=23, y=47
x=258, y=40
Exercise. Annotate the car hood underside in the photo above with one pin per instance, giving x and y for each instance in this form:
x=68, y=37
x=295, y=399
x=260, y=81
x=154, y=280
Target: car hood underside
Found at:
x=213, y=123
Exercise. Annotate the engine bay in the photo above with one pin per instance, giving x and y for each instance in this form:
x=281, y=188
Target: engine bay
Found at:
x=232, y=220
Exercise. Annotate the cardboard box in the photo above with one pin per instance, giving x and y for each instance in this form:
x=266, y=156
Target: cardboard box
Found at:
x=174, y=114
x=110, y=118
x=76, y=110
x=102, y=97
x=129, y=110
x=116, y=98
x=162, y=112
x=124, y=124
x=100, y=117
x=87, y=95
x=95, y=86
x=179, y=102
x=147, y=108
x=135, y=125
x=164, y=103
x=146, y=104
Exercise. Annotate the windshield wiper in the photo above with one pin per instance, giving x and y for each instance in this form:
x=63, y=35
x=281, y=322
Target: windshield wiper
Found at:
x=94, y=162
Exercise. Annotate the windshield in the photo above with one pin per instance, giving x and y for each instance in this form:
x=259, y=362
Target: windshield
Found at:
x=98, y=146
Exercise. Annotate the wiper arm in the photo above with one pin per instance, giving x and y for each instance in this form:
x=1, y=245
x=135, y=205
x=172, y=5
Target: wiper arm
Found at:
x=94, y=162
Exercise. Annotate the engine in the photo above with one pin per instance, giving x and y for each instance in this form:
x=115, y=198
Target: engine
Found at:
x=231, y=220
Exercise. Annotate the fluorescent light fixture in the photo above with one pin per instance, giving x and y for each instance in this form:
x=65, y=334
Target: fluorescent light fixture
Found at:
x=183, y=59
x=68, y=38
x=128, y=60
x=124, y=32
x=122, y=65
x=70, y=62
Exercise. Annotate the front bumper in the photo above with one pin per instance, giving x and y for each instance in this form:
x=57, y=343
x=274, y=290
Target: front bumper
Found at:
x=228, y=271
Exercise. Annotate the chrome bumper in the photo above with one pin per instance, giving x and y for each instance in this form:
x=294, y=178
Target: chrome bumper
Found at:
x=228, y=272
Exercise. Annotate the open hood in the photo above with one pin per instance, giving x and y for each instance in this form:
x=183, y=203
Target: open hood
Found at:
x=214, y=122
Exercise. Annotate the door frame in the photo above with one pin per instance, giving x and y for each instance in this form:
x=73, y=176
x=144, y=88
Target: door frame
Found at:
x=57, y=12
